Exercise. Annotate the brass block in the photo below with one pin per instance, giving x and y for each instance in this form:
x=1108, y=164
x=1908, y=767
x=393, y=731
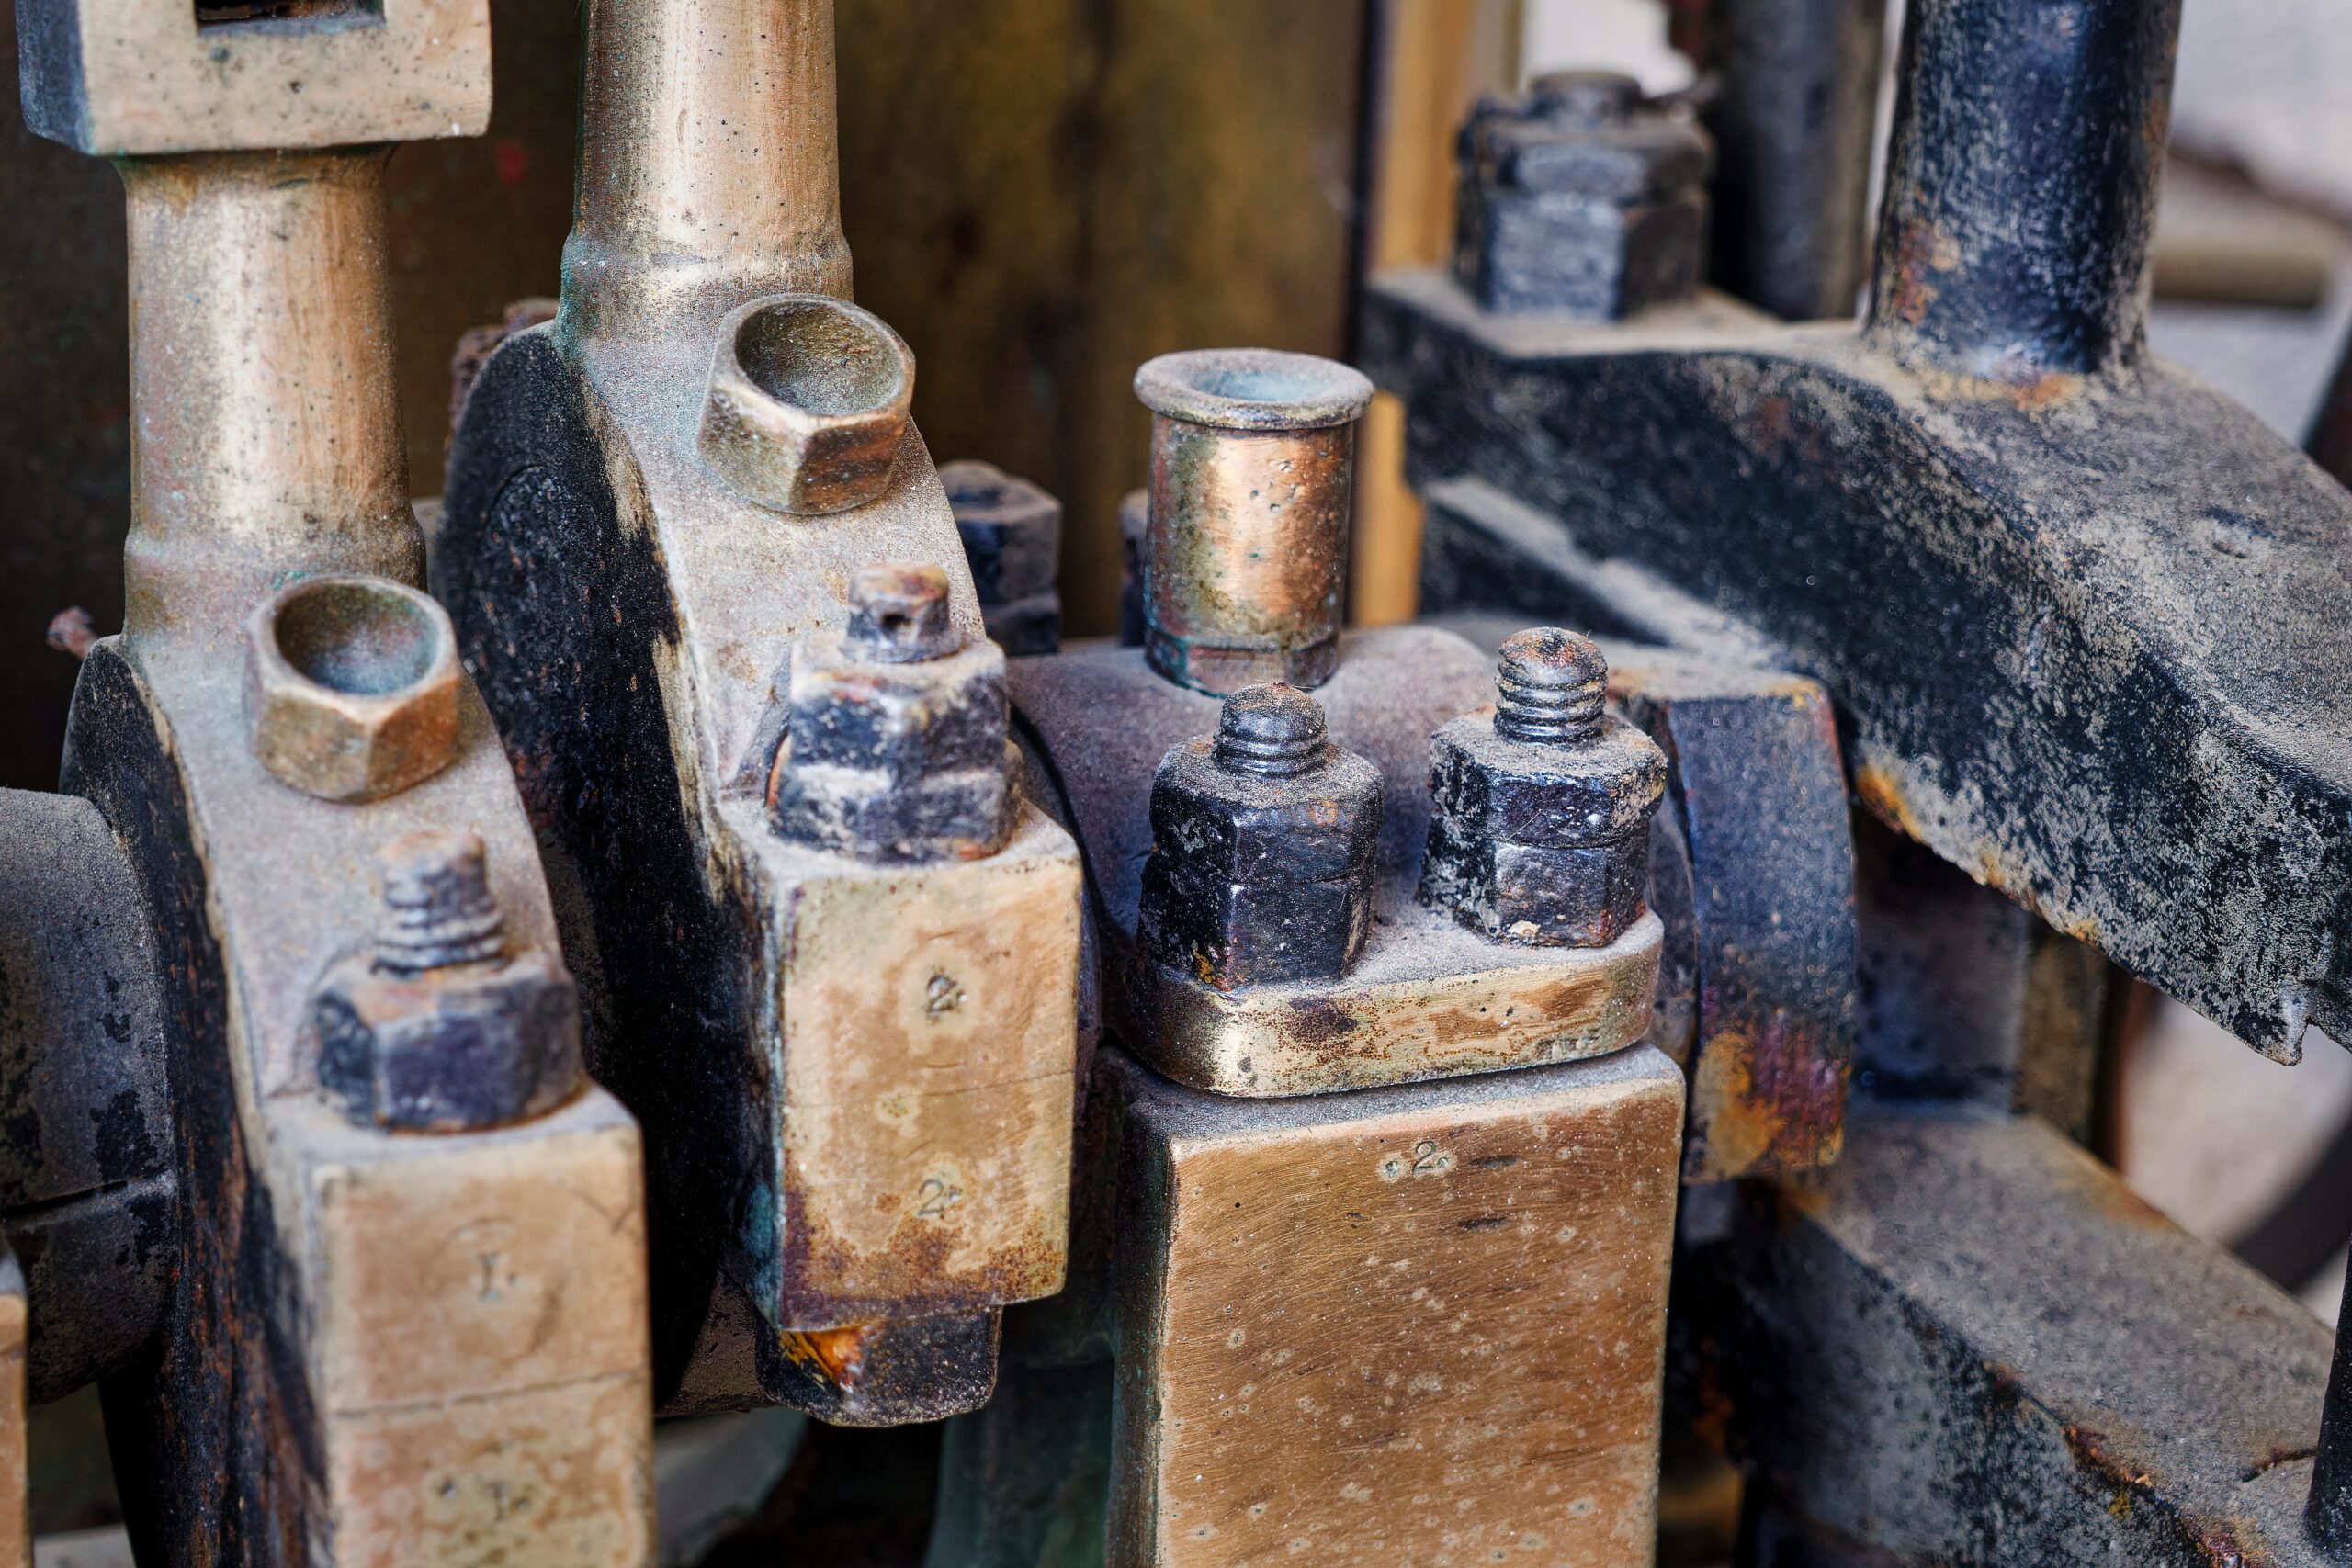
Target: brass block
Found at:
x=1418, y=1325
x=1428, y=998
x=127, y=77
x=480, y=1346
x=928, y=1080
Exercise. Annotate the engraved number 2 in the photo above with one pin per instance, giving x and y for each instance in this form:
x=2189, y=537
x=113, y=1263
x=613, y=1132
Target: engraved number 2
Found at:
x=935, y=1198
x=1427, y=1160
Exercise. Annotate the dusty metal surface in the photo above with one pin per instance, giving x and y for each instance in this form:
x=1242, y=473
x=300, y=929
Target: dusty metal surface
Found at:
x=1393, y=1325
x=1768, y=916
x=85, y=1171
x=2074, y=667
x=1428, y=998
x=633, y=611
x=1967, y=1343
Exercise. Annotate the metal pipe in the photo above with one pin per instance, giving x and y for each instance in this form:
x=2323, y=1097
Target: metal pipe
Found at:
x=1245, y=556
x=267, y=438
x=708, y=169
x=2021, y=191
x=1794, y=131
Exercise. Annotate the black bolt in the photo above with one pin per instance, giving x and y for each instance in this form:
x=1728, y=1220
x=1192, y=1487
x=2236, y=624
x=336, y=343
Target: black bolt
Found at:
x=1275, y=730
x=1586, y=97
x=899, y=614
x=438, y=910
x=1550, y=687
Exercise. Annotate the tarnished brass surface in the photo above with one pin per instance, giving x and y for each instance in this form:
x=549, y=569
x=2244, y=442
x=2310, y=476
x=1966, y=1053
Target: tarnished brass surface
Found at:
x=124, y=77
x=351, y=687
x=1403, y=1325
x=261, y=349
x=792, y=1170
x=1253, y=462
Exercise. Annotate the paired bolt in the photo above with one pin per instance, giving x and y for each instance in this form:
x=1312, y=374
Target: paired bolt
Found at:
x=1541, y=828
x=895, y=734
x=441, y=1029
x=1264, y=839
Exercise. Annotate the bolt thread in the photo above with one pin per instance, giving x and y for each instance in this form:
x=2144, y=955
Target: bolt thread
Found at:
x=1549, y=686
x=438, y=906
x=1272, y=730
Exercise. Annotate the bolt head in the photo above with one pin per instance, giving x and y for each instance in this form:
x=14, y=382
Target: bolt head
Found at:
x=1234, y=933
x=448, y=1050
x=1266, y=831
x=351, y=687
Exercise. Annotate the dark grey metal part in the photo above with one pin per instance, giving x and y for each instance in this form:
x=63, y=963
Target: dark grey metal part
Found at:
x=1968, y=1344
x=86, y=1136
x=1581, y=199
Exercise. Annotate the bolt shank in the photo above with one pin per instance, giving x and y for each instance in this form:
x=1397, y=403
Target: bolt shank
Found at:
x=266, y=441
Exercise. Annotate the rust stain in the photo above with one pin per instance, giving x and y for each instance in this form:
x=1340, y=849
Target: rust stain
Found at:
x=1922, y=250
x=838, y=1354
x=1881, y=791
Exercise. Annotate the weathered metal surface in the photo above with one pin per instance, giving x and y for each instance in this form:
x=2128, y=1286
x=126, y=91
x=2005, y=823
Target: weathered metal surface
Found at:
x=1012, y=541
x=1262, y=842
x=1795, y=122
x=2076, y=666
x=443, y=1028
x=1541, y=832
x=16, y=1500
x=1766, y=912
x=1025, y=1483
x=1428, y=998
x=1395, y=1326
x=808, y=404
x=86, y=1174
x=316, y=1257
x=630, y=611
x=1252, y=472
x=1968, y=1344
x=1582, y=200
x=122, y=77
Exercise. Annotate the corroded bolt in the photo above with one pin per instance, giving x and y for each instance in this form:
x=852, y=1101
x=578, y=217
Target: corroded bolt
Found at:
x=1011, y=532
x=438, y=906
x=1539, y=831
x=440, y=1029
x=899, y=614
x=1264, y=839
x=894, y=732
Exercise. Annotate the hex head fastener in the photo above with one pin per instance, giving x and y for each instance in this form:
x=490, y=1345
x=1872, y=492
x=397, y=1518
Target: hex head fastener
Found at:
x=808, y=404
x=1541, y=833
x=1263, y=841
x=351, y=687
x=894, y=742
x=441, y=1029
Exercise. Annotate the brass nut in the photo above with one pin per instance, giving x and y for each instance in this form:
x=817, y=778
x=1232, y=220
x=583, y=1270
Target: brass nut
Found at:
x=351, y=687
x=808, y=404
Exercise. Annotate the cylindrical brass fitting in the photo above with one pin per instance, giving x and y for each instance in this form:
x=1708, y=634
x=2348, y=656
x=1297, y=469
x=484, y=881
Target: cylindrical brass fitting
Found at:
x=1252, y=469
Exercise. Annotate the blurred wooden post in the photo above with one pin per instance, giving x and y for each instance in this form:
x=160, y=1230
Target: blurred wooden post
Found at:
x=1436, y=57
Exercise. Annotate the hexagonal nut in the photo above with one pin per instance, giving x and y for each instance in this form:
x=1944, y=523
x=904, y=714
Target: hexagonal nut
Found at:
x=448, y=1050
x=125, y=77
x=351, y=687
x=1538, y=895
x=1025, y=628
x=1011, y=531
x=1530, y=793
x=1582, y=202
x=894, y=761
x=807, y=409
x=1250, y=828
x=1231, y=933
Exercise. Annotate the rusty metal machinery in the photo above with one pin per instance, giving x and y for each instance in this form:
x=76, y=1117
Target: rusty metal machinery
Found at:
x=1276, y=1091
